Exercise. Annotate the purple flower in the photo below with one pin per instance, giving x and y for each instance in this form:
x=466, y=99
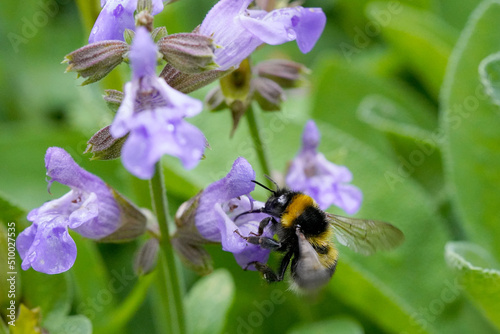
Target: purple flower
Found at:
x=239, y=31
x=221, y=202
x=324, y=181
x=89, y=209
x=115, y=17
x=153, y=114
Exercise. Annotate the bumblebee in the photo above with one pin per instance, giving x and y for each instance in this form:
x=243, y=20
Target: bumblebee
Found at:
x=305, y=235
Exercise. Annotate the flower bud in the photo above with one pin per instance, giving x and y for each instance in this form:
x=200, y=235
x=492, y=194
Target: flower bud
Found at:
x=215, y=99
x=146, y=257
x=113, y=99
x=144, y=5
x=187, y=240
x=188, y=52
x=128, y=35
x=159, y=33
x=286, y=73
x=268, y=94
x=96, y=60
x=103, y=146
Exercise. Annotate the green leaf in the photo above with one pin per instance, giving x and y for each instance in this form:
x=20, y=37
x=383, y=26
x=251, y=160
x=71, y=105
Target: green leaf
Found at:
x=94, y=288
x=388, y=116
x=339, y=90
x=471, y=122
x=75, y=324
x=371, y=294
x=489, y=70
x=411, y=135
x=208, y=302
x=8, y=211
x=479, y=276
x=421, y=38
x=341, y=325
x=455, y=15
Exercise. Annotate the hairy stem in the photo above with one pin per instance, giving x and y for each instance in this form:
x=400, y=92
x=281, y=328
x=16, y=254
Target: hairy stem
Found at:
x=260, y=148
x=168, y=271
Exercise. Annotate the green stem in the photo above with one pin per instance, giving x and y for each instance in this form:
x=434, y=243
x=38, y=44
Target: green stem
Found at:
x=260, y=149
x=168, y=271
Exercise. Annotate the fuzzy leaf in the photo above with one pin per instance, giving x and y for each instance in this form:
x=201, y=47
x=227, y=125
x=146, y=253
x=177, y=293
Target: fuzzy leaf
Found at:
x=489, y=70
x=208, y=302
x=470, y=121
x=337, y=326
x=421, y=38
x=479, y=276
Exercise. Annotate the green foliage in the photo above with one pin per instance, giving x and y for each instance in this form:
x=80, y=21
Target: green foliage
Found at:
x=479, y=276
x=489, y=70
x=208, y=302
x=470, y=122
x=337, y=325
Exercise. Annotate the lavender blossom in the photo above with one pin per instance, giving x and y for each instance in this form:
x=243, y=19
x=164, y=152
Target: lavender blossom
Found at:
x=115, y=17
x=89, y=209
x=221, y=202
x=153, y=113
x=324, y=181
x=239, y=31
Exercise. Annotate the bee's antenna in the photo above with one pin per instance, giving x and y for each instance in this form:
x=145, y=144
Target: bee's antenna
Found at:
x=274, y=182
x=247, y=212
x=263, y=186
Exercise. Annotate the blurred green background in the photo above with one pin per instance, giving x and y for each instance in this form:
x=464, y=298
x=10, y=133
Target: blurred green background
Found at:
x=405, y=95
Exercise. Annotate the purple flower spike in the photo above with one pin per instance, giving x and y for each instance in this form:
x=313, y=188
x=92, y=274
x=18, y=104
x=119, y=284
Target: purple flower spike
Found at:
x=89, y=209
x=115, y=17
x=239, y=31
x=324, y=181
x=221, y=202
x=153, y=114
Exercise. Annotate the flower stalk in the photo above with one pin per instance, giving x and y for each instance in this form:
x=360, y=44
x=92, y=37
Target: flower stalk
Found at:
x=168, y=271
x=259, y=146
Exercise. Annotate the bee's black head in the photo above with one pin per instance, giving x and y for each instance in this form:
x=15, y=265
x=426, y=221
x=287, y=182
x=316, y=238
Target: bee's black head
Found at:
x=278, y=201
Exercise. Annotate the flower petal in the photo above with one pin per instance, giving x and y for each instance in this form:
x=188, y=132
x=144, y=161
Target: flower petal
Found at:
x=326, y=182
x=143, y=54
x=309, y=26
x=287, y=24
x=115, y=17
x=310, y=136
x=179, y=104
x=237, y=182
x=153, y=136
x=62, y=168
x=52, y=251
x=243, y=251
x=234, y=41
x=348, y=198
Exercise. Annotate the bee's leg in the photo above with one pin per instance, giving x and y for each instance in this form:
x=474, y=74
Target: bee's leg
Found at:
x=268, y=273
x=265, y=270
x=264, y=242
x=262, y=225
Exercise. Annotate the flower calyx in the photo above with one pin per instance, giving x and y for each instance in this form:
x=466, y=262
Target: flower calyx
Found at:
x=188, y=52
x=96, y=60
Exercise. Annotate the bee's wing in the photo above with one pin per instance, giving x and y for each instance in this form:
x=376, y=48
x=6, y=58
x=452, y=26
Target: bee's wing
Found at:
x=365, y=236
